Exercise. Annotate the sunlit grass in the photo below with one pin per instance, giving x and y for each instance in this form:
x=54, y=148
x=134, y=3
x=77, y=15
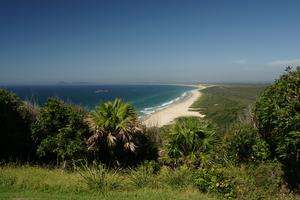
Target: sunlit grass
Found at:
x=31, y=182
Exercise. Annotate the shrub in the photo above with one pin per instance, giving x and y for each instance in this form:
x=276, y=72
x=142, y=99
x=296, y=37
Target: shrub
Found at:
x=277, y=115
x=60, y=132
x=188, y=140
x=260, y=181
x=147, y=145
x=288, y=152
x=214, y=180
x=243, y=144
x=16, y=117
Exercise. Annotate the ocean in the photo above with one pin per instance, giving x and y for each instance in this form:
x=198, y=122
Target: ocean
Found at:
x=145, y=98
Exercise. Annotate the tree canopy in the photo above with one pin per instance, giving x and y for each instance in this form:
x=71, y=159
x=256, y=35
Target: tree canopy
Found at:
x=277, y=116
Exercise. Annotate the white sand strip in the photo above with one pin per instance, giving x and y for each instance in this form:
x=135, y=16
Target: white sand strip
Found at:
x=178, y=109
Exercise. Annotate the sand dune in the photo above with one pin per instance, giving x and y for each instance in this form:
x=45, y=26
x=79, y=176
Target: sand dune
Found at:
x=178, y=109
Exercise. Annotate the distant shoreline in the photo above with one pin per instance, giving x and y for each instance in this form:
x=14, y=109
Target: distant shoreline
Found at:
x=176, y=109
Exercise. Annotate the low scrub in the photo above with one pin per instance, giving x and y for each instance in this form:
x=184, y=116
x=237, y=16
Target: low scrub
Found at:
x=214, y=180
x=262, y=181
x=242, y=144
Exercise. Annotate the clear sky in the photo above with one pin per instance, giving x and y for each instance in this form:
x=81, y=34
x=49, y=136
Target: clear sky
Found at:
x=47, y=41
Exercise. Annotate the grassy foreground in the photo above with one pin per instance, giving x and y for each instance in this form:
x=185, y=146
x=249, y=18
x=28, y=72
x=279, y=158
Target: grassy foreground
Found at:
x=137, y=194
x=28, y=182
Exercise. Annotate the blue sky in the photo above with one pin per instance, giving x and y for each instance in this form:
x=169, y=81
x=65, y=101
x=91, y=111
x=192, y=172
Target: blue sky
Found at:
x=44, y=42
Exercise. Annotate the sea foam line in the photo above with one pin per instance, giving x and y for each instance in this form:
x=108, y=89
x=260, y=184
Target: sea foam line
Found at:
x=150, y=110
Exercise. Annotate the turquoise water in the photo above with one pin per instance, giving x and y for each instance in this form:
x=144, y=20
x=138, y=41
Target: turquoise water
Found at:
x=145, y=98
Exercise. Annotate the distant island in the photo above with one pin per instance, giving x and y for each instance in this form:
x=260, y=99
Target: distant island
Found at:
x=101, y=91
x=72, y=83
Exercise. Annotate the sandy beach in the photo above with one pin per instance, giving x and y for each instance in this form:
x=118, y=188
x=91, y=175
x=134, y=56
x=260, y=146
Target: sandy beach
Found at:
x=178, y=109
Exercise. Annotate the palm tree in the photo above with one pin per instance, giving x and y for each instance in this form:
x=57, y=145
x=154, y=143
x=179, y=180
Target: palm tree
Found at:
x=113, y=124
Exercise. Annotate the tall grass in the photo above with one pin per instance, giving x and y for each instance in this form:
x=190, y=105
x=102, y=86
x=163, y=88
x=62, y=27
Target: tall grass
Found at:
x=27, y=177
x=94, y=182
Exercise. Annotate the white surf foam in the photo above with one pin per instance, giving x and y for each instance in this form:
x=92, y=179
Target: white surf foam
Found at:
x=151, y=110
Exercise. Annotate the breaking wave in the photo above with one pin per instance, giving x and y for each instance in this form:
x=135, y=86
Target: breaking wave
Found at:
x=151, y=110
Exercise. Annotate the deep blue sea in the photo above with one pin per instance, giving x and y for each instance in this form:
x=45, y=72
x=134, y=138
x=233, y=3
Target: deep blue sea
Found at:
x=145, y=98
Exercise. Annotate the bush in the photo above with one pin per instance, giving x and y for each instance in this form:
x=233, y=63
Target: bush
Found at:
x=243, y=145
x=214, y=180
x=147, y=145
x=60, y=132
x=277, y=115
x=288, y=153
x=16, y=117
x=188, y=140
x=260, y=181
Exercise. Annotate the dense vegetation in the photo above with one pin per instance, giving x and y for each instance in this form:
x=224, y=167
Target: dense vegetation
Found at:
x=277, y=116
x=16, y=117
x=59, y=132
x=244, y=148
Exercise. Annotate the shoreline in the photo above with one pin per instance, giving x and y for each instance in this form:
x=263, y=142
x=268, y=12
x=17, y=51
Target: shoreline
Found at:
x=177, y=109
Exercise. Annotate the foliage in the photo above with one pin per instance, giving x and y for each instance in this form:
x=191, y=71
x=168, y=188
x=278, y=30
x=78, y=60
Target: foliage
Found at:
x=60, y=131
x=288, y=152
x=188, y=140
x=243, y=145
x=259, y=181
x=277, y=115
x=16, y=117
x=147, y=146
x=214, y=180
x=116, y=133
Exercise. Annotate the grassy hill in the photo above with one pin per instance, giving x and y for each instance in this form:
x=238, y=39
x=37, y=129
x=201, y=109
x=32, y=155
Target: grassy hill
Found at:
x=225, y=104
